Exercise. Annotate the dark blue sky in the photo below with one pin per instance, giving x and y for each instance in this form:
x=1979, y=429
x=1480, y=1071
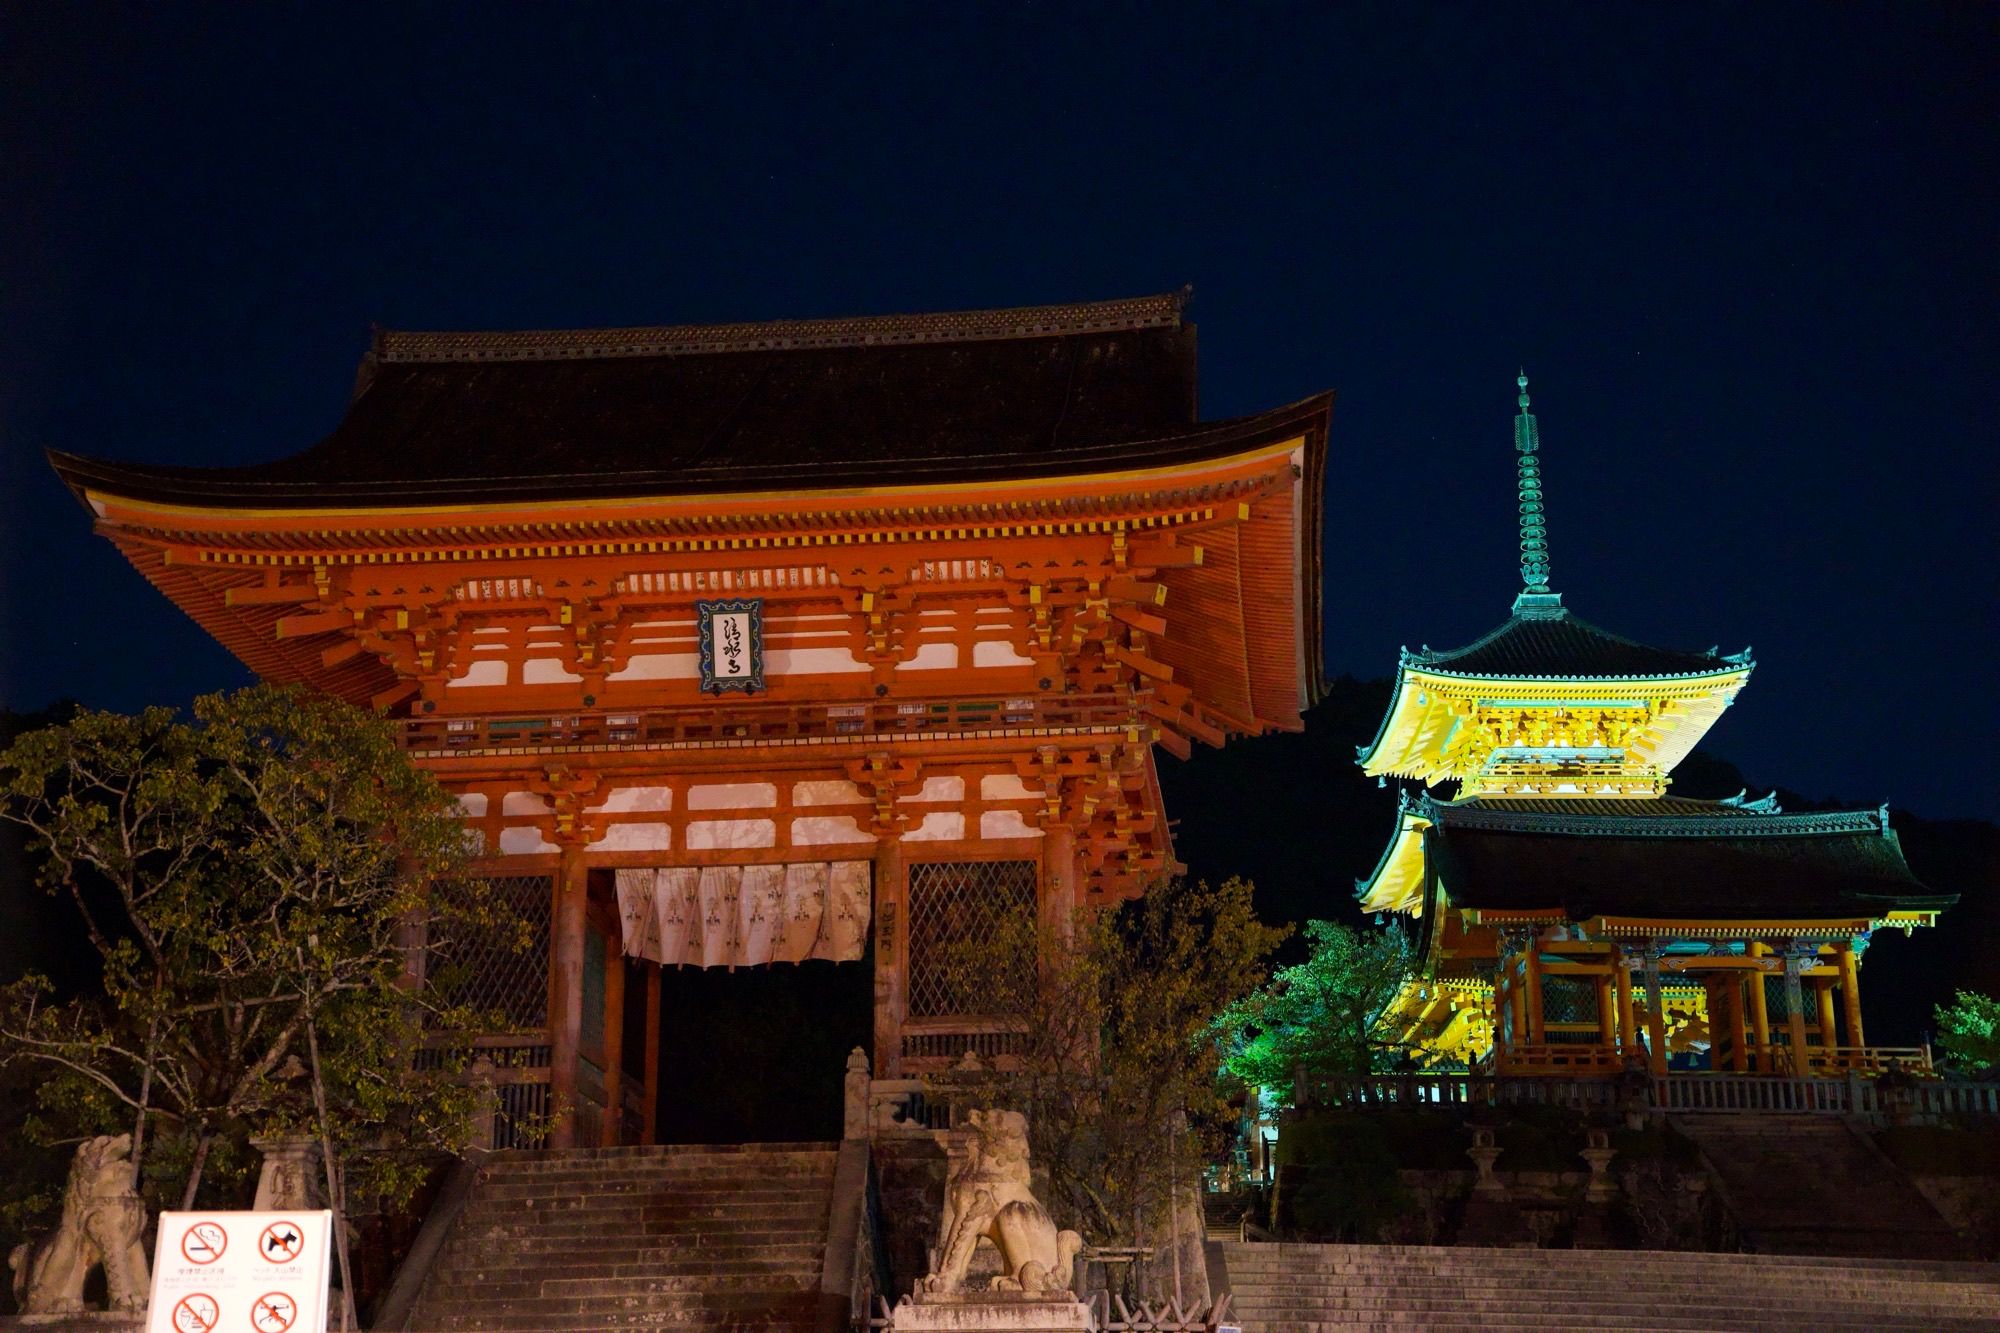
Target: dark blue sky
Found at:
x=1745, y=252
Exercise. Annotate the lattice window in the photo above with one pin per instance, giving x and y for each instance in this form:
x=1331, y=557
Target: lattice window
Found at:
x=493, y=969
x=1569, y=999
x=953, y=903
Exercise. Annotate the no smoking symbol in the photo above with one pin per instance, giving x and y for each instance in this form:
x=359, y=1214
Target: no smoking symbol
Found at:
x=204, y=1242
x=196, y=1312
x=281, y=1242
x=273, y=1313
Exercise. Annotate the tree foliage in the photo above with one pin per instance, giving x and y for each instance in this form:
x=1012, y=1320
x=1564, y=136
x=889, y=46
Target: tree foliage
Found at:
x=1968, y=1030
x=1118, y=1073
x=246, y=878
x=1323, y=1015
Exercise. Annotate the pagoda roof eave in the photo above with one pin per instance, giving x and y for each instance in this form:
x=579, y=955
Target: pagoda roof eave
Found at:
x=1670, y=858
x=1527, y=678
x=1404, y=858
x=1556, y=645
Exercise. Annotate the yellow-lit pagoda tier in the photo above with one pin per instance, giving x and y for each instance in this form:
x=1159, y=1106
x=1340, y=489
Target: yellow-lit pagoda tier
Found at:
x=1549, y=705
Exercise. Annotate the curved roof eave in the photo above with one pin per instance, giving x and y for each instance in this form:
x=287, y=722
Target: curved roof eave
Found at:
x=230, y=488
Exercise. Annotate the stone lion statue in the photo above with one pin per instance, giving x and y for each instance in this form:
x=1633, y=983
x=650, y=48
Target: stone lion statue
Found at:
x=989, y=1197
x=103, y=1220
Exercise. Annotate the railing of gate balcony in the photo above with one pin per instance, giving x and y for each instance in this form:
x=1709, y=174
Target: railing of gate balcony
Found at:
x=723, y=725
x=515, y=1069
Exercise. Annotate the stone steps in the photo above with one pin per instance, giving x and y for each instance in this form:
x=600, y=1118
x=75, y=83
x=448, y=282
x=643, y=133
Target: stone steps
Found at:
x=667, y=1237
x=1657, y=1321
x=1292, y=1288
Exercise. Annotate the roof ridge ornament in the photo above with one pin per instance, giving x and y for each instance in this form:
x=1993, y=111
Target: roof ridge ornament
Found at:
x=1120, y=315
x=1535, y=600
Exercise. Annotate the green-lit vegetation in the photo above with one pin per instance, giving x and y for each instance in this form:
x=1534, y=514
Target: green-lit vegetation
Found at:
x=1968, y=1031
x=1323, y=1015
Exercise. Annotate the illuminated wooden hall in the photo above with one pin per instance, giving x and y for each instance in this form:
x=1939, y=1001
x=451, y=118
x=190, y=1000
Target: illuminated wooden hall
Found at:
x=1571, y=915
x=750, y=644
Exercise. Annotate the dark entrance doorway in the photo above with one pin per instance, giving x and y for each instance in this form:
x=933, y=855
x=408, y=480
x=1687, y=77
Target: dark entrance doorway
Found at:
x=758, y=1055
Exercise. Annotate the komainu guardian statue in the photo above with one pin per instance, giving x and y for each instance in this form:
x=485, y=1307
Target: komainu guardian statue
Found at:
x=103, y=1220
x=989, y=1197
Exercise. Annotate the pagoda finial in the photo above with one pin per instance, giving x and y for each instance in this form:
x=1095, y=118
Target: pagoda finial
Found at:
x=1534, y=526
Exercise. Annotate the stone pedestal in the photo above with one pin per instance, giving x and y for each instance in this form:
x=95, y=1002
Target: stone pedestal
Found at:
x=1602, y=1188
x=1484, y=1153
x=993, y=1312
x=290, y=1174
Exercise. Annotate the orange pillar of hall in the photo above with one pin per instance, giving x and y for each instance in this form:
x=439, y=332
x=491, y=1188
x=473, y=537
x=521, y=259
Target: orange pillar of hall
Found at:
x=614, y=1041
x=1628, y=1033
x=891, y=955
x=1059, y=877
x=1656, y=1012
x=649, y=1128
x=1739, y=1039
x=568, y=931
x=1850, y=994
x=1760, y=1012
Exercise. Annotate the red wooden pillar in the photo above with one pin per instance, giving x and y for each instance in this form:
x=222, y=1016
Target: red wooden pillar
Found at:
x=567, y=934
x=614, y=1040
x=891, y=955
x=1061, y=889
x=649, y=1130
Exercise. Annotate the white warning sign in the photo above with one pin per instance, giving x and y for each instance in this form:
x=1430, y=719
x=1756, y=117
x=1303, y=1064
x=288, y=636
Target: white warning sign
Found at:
x=241, y=1273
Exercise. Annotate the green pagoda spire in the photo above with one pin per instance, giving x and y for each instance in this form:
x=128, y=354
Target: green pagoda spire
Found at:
x=1535, y=594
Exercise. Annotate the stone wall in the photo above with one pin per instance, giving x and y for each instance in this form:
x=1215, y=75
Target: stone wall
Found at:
x=910, y=1182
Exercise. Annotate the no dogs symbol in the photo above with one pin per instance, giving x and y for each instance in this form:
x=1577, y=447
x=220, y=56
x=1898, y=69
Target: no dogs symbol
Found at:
x=196, y=1312
x=273, y=1313
x=204, y=1242
x=281, y=1242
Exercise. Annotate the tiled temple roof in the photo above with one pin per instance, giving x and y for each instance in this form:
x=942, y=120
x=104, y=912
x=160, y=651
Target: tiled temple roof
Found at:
x=716, y=409
x=1670, y=858
x=1556, y=645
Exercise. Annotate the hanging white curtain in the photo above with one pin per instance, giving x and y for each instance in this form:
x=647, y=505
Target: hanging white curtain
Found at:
x=746, y=916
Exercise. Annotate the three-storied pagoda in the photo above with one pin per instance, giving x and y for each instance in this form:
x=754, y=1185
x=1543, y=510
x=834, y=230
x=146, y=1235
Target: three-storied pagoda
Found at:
x=1559, y=866
x=766, y=642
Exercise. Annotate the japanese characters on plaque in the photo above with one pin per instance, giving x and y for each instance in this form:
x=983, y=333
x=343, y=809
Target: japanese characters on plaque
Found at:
x=732, y=645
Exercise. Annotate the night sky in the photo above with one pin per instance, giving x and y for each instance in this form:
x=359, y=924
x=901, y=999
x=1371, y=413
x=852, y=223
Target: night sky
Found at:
x=1746, y=253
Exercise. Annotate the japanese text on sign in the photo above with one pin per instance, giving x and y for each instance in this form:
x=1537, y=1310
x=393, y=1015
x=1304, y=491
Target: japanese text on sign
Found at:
x=732, y=644
x=240, y=1272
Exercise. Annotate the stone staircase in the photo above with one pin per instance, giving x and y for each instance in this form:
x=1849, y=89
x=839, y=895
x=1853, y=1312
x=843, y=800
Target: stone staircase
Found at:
x=1222, y=1215
x=663, y=1237
x=1810, y=1184
x=1311, y=1288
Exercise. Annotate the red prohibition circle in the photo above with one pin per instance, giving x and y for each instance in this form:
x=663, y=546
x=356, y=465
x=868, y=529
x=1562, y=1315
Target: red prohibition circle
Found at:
x=204, y=1242
x=274, y=1312
x=196, y=1312
x=280, y=1242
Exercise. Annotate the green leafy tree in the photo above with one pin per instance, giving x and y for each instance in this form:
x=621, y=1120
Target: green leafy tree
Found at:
x=1117, y=1073
x=1968, y=1029
x=248, y=879
x=1323, y=1015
